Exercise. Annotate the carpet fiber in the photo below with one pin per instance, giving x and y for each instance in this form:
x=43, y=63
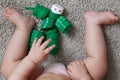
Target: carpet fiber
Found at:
x=72, y=48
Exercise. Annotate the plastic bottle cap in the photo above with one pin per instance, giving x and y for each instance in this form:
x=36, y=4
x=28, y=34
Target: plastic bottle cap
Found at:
x=57, y=9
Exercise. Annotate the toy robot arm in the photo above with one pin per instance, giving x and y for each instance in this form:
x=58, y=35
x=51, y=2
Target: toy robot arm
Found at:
x=39, y=11
x=63, y=24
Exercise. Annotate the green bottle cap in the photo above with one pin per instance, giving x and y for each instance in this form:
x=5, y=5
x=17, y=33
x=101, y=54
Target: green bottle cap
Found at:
x=48, y=23
x=52, y=31
x=54, y=36
x=34, y=34
x=29, y=8
x=54, y=51
x=40, y=11
x=53, y=15
x=63, y=24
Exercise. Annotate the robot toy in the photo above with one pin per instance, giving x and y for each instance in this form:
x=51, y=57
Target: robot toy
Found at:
x=52, y=21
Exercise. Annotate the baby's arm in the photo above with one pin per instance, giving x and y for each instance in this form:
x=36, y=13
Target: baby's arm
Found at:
x=37, y=54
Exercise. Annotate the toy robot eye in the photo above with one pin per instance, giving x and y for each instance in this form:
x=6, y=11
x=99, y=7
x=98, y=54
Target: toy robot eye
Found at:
x=59, y=10
x=55, y=9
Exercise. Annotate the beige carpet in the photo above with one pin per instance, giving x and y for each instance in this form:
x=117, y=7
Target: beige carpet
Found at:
x=72, y=48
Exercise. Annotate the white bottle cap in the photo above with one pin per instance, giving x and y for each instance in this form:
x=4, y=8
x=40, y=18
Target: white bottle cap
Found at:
x=57, y=9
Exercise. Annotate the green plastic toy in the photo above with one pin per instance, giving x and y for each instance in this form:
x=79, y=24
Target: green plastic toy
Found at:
x=52, y=21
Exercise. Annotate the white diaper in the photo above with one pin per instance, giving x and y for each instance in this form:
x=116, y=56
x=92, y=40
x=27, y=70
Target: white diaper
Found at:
x=51, y=66
x=56, y=68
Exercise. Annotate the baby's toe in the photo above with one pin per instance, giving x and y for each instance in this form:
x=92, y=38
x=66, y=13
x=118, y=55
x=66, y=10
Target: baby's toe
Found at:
x=6, y=15
x=8, y=11
x=115, y=18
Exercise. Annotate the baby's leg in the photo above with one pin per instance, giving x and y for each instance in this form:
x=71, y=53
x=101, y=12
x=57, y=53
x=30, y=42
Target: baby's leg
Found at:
x=96, y=62
x=95, y=65
x=18, y=45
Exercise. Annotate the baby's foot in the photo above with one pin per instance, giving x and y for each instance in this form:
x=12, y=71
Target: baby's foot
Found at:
x=77, y=70
x=100, y=17
x=18, y=19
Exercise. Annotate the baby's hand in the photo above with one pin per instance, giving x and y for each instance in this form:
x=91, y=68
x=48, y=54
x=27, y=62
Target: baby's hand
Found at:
x=77, y=71
x=39, y=52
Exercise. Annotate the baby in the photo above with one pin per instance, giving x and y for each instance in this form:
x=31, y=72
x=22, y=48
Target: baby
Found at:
x=18, y=64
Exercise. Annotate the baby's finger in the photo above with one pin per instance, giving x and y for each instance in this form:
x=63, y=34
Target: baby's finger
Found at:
x=43, y=46
x=49, y=49
x=34, y=42
x=69, y=73
x=40, y=41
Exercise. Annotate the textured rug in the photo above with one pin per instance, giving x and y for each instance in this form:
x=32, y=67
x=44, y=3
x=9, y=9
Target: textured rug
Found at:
x=72, y=48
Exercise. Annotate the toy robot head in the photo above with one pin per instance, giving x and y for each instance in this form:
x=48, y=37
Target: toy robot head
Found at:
x=57, y=9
